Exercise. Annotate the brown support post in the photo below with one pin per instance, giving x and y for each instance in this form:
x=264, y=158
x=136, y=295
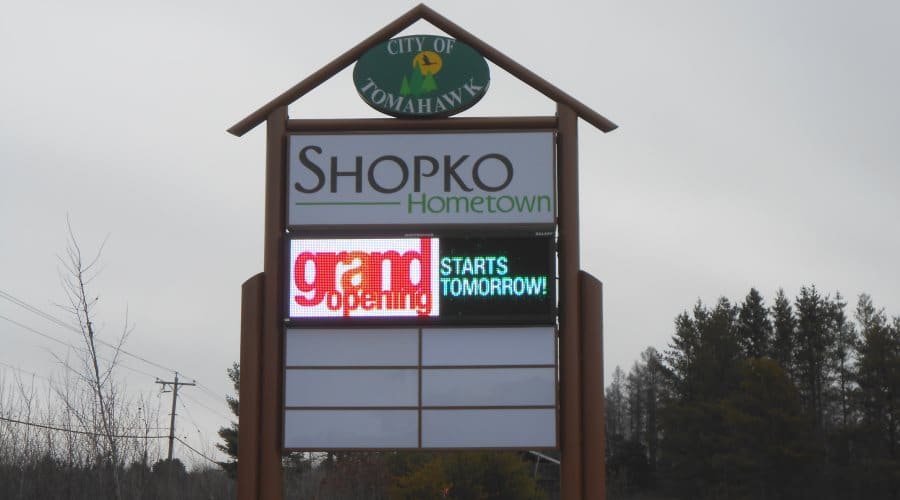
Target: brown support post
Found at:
x=248, y=420
x=593, y=409
x=570, y=344
x=271, y=481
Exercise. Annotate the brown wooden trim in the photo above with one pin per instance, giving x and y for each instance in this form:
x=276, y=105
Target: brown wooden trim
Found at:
x=350, y=408
x=411, y=448
x=424, y=407
x=249, y=429
x=414, y=367
x=421, y=11
x=398, y=125
x=496, y=230
x=311, y=330
x=592, y=405
x=272, y=393
x=556, y=358
x=351, y=367
x=420, y=390
x=556, y=188
x=570, y=345
x=302, y=330
x=483, y=367
x=491, y=407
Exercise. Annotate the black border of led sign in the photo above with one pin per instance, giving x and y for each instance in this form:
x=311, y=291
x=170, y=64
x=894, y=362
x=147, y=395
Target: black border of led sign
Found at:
x=519, y=289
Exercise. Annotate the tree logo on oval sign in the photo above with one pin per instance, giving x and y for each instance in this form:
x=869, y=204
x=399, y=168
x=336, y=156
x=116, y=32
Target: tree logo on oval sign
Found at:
x=421, y=76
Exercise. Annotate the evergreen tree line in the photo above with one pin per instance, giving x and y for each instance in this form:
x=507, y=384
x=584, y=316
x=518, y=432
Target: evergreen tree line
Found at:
x=793, y=400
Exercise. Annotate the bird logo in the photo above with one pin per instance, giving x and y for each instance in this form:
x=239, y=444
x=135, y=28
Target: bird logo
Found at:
x=428, y=62
x=421, y=79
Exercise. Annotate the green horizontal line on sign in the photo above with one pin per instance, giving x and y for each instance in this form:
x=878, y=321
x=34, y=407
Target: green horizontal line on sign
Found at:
x=347, y=203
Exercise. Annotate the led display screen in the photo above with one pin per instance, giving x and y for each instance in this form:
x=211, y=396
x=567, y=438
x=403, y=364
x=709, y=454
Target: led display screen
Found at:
x=497, y=279
x=428, y=280
x=364, y=278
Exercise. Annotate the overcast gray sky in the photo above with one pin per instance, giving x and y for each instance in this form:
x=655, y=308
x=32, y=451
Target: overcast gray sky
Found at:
x=757, y=147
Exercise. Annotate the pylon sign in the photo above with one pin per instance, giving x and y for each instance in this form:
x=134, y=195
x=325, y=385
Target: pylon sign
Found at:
x=421, y=285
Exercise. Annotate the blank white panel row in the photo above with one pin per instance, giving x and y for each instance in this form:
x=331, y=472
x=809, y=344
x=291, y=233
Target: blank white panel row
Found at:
x=440, y=387
x=489, y=386
x=320, y=429
x=440, y=346
x=329, y=429
x=489, y=346
x=375, y=387
x=352, y=347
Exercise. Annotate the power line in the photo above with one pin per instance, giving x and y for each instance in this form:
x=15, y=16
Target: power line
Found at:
x=21, y=303
x=25, y=371
x=75, y=431
x=82, y=349
x=48, y=337
x=195, y=450
x=193, y=422
x=196, y=427
x=53, y=319
x=190, y=417
x=215, y=412
x=209, y=391
x=95, y=434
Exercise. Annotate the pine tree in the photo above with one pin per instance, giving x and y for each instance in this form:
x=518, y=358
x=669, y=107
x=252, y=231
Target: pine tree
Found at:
x=635, y=403
x=844, y=349
x=784, y=334
x=815, y=341
x=653, y=394
x=701, y=361
x=615, y=411
x=753, y=327
x=764, y=438
x=429, y=84
x=415, y=80
x=720, y=350
x=815, y=371
x=629, y=467
x=681, y=357
x=404, y=87
x=703, y=366
x=229, y=434
x=878, y=376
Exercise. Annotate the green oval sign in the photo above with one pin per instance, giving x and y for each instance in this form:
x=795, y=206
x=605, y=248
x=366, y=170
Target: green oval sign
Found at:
x=421, y=76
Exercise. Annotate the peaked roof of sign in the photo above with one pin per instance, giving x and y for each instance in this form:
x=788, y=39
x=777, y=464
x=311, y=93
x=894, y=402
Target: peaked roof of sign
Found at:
x=423, y=12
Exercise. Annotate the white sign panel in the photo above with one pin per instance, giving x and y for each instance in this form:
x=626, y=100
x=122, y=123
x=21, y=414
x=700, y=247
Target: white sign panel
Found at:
x=428, y=178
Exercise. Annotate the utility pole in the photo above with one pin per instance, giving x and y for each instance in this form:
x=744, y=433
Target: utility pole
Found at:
x=174, y=385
